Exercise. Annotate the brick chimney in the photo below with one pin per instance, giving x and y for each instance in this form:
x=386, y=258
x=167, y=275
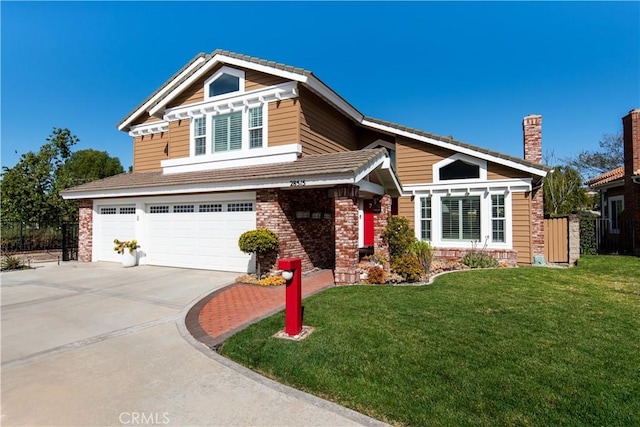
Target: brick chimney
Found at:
x=532, y=136
x=532, y=132
x=631, y=137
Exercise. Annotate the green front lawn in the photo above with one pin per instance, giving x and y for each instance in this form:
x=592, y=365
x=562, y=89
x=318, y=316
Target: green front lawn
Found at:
x=526, y=346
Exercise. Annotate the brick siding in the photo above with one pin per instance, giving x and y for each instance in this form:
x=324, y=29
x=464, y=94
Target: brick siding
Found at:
x=379, y=225
x=507, y=256
x=85, y=231
x=346, y=234
x=310, y=239
x=532, y=135
x=631, y=137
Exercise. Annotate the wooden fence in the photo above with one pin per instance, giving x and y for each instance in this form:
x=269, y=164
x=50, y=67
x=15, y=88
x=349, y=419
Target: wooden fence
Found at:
x=556, y=240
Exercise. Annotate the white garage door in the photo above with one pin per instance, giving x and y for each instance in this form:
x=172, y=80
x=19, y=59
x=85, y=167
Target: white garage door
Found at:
x=114, y=222
x=199, y=234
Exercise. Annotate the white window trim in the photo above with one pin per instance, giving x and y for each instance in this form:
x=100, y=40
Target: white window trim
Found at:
x=482, y=164
x=485, y=219
x=609, y=205
x=224, y=70
x=209, y=153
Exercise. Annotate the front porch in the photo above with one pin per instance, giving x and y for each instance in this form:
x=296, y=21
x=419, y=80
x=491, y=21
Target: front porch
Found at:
x=323, y=226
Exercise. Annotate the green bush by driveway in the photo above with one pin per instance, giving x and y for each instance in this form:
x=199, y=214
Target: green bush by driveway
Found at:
x=526, y=346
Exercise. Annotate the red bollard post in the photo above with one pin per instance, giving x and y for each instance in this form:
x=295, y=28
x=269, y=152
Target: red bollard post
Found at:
x=293, y=307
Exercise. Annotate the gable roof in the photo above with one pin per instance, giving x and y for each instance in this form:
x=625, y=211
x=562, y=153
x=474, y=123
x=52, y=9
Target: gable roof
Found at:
x=346, y=167
x=455, y=145
x=202, y=63
x=606, y=178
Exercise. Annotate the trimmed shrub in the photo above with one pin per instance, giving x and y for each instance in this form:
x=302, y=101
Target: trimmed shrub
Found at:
x=398, y=235
x=408, y=267
x=258, y=241
x=376, y=275
x=475, y=259
x=423, y=251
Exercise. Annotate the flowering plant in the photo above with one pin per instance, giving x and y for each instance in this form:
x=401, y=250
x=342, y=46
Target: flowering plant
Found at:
x=132, y=245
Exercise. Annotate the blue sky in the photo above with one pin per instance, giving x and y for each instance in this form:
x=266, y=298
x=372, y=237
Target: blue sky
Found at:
x=467, y=70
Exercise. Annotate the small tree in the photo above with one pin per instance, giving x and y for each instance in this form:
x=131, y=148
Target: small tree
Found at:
x=398, y=235
x=259, y=241
x=423, y=251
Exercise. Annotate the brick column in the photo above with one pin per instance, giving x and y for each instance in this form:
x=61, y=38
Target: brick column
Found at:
x=379, y=225
x=631, y=137
x=85, y=230
x=346, y=234
x=532, y=135
x=574, y=238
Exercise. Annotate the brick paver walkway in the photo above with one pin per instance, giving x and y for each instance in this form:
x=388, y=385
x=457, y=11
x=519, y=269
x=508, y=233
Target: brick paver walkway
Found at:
x=239, y=305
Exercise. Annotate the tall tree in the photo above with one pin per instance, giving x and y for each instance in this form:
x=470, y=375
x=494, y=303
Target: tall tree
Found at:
x=30, y=189
x=88, y=165
x=591, y=163
x=563, y=191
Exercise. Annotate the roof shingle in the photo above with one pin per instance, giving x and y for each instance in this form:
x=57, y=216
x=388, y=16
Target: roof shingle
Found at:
x=348, y=162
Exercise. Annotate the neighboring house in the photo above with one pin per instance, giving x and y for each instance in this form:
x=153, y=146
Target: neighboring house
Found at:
x=620, y=188
x=231, y=143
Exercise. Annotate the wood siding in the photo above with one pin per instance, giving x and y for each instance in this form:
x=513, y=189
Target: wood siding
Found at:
x=367, y=136
x=149, y=151
x=254, y=80
x=521, y=228
x=406, y=209
x=282, y=123
x=497, y=171
x=192, y=94
x=414, y=160
x=322, y=128
x=179, y=141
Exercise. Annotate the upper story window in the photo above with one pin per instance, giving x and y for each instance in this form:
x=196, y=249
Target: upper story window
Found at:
x=237, y=130
x=459, y=170
x=223, y=82
x=226, y=83
x=460, y=167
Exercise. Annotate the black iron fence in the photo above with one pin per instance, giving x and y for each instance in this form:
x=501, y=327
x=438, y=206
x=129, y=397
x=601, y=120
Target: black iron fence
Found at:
x=604, y=236
x=19, y=237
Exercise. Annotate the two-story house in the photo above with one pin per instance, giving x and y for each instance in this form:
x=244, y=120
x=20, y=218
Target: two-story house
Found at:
x=231, y=143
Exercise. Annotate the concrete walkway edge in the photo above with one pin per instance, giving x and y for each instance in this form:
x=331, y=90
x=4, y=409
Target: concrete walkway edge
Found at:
x=181, y=325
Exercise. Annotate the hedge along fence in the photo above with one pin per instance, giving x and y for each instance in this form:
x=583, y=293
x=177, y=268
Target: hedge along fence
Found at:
x=25, y=237
x=588, y=238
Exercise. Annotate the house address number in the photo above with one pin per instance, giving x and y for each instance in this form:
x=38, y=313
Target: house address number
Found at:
x=297, y=183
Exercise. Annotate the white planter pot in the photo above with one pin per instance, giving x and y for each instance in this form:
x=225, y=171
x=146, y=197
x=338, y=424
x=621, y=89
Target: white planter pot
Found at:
x=129, y=259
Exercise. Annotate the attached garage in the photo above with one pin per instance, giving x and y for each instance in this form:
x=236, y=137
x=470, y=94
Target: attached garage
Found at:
x=113, y=222
x=199, y=234
x=180, y=231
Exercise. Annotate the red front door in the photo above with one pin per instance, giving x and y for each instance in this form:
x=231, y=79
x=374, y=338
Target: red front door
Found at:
x=368, y=223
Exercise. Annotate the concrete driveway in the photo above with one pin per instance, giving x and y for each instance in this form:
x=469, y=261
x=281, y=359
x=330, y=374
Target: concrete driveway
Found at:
x=98, y=344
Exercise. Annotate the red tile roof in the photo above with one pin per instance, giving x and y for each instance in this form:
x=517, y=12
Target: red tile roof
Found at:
x=607, y=177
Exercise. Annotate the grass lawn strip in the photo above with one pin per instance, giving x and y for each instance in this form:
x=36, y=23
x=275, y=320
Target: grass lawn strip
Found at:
x=525, y=346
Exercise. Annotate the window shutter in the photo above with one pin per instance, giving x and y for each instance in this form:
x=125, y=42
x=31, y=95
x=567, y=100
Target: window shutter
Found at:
x=220, y=133
x=235, y=131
